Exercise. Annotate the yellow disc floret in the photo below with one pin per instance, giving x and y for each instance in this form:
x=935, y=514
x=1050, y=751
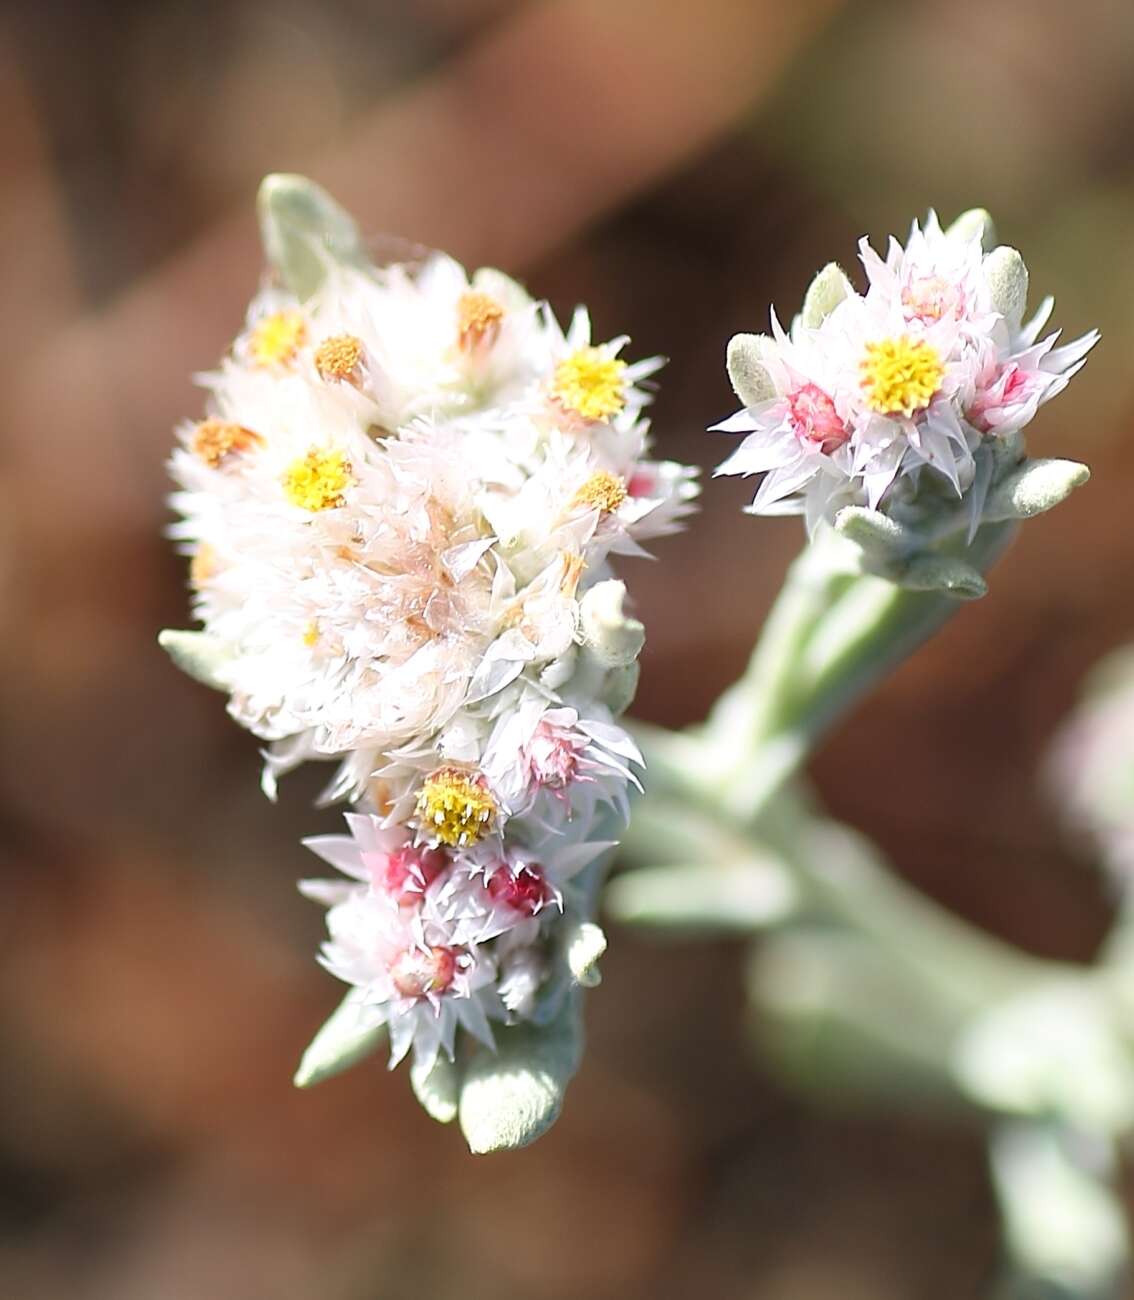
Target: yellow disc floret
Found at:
x=455, y=806
x=339, y=358
x=275, y=339
x=318, y=480
x=900, y=375
x=602, y=491
x=590, y=383
x=478, y=320
x=215, y=441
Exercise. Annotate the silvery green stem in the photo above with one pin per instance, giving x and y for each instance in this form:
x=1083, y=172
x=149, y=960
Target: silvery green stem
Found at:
x=823, y=872
x=832, y=635
x=830, y=638
x=843, y=877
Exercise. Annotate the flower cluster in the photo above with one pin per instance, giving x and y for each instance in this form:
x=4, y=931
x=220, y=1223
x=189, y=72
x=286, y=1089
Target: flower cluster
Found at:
x=869, y=397
x=400, y=509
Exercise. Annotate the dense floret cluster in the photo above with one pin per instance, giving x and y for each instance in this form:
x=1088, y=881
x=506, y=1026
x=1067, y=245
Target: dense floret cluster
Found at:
x=871, y=396
x=400, y=509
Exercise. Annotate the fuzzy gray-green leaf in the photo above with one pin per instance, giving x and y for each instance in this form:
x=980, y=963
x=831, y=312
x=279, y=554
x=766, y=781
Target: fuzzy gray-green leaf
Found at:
x=1063, y=1217
x=975, y=222
x=304, y=231
x=945, y=573
x=201, y=656
x=1036, y=486
x=344, y=1039
x=584, y=946
x=512, y=1096
x=824, y=294
x=729, y=898
x=1007, y=278
x=438, y=1088
x=884, y=542
x=746, y=370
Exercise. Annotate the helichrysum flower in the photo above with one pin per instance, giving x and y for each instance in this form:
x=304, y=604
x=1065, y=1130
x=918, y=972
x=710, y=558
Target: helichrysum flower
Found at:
x=399, y=506
x=870, y=396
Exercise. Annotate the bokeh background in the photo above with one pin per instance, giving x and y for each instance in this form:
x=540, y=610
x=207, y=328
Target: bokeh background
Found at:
x=678, y=166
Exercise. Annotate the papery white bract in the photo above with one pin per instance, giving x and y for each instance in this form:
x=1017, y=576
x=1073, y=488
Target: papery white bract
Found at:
x=914, y=377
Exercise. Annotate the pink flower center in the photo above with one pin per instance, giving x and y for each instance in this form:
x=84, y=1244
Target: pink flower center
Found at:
x=553, y=756
x=407, y=872
x=814, y=420
x=418, y=971
x=524, y=891
x=641, y=483
x=1009, y=385
x=930, y=298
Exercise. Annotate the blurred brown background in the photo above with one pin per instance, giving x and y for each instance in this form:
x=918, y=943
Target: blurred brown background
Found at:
x=678, y=166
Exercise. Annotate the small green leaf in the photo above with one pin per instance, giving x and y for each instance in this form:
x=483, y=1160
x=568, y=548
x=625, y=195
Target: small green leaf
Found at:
x=437, y=1088
x=884, y=542
x=1007, y=278
x=1064, y=1222
x=824, y=294
x=955, y=577
x=201, y=656
x=619, y=686
x=836, y=1013
x=971, y=223
x=344, y=1039
x=614, y=639
x=1014, y=1058
x=584, y=946
x=746, y=370
x=732, y=898
x=1036, y=486
x=304, y=230
x=512, y=1096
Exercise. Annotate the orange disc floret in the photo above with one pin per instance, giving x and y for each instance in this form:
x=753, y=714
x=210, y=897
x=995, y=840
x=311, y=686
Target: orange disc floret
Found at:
x=203, y=565
x=603, y=491
x=339, y=358
x=216, y=441
x=478, y=320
